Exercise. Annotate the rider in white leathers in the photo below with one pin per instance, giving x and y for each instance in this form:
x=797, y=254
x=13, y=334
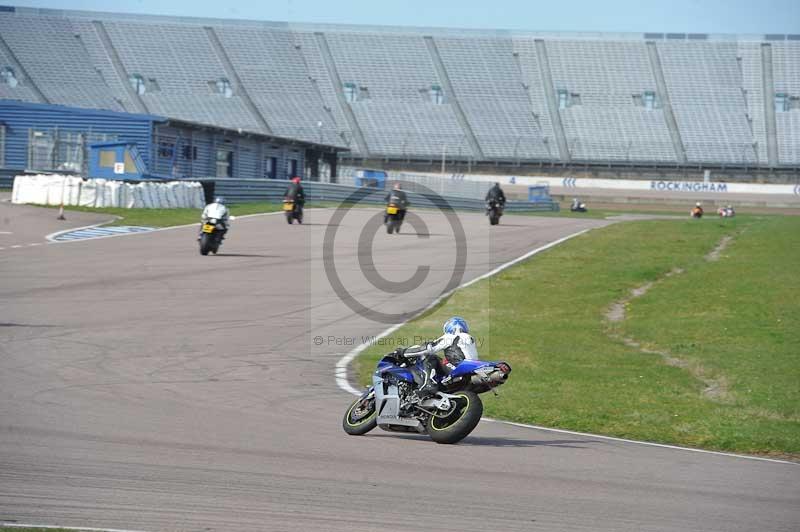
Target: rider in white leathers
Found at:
x=217, y=210
x=457, y=344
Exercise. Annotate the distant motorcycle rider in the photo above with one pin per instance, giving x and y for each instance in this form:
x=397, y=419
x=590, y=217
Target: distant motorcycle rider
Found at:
x=496, y=194
x=457, y=345
x=294, y=192
x=218, y=210
x=398, y=197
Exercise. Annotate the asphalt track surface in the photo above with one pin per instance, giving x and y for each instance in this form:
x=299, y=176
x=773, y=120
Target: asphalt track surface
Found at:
x=145, y=387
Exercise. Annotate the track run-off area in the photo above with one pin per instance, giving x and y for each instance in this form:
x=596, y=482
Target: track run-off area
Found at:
x=145, y=387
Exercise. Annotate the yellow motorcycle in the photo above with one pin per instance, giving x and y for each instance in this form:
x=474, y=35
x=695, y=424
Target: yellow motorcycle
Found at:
x=394, y=218
x=293, y=211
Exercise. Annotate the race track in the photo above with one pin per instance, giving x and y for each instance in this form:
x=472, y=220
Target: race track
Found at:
x=145, y=387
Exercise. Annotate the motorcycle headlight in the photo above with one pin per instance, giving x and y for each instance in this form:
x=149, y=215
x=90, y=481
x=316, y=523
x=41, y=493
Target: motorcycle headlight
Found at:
x=212, y=220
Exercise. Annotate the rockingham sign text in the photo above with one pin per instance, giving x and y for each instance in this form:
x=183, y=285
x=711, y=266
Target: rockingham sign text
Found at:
x=688, y=186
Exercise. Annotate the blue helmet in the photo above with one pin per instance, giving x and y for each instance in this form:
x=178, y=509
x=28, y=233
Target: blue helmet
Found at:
x=220, y=200
x=455, y=325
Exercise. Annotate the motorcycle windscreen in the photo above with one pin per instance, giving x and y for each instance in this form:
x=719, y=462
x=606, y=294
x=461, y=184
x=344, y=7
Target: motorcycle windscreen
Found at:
x=401, y=373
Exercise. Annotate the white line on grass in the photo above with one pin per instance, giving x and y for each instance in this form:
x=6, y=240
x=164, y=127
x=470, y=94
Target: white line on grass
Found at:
x=51, y=237
x=344, y=362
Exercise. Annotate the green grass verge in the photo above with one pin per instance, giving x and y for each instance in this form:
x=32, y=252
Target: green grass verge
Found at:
x=170, y=217
x=733, y=323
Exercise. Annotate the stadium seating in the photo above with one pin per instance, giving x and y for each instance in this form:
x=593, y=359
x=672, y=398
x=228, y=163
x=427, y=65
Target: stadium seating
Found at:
x=417, y=93
x=786, y=72
x=56, y=62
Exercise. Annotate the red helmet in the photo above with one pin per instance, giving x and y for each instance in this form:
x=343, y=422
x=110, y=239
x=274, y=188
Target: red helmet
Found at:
x=295, y=179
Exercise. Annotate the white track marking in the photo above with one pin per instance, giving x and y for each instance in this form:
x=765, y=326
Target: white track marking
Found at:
x=46, y=527
x=651, y=444
x=6, y=233
x=51, y=237
x=344, y=362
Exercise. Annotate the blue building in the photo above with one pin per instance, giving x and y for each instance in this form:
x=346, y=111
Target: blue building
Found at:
x=38, y=137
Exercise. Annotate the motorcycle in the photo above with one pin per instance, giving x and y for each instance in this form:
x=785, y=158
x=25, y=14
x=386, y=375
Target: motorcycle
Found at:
x=211, y=235
x=494, y=209
x=394, y=218
x=578, y=207
x=696, y=212
x=293, y=210
x=447, y=417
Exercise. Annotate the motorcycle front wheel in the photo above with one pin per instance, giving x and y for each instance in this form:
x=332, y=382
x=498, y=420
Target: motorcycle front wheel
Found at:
x=205, y=244
x=361, y=416
x=452, y=426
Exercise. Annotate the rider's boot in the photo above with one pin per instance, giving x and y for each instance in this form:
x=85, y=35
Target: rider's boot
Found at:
x=429, y=385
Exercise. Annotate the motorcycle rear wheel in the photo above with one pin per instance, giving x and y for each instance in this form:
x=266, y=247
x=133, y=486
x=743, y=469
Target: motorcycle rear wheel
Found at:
x=457, y=423
x=361, y=417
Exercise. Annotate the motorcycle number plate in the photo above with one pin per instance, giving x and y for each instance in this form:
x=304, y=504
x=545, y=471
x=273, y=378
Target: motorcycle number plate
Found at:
x=208, y=228
x=391, y=210
x=288, y=206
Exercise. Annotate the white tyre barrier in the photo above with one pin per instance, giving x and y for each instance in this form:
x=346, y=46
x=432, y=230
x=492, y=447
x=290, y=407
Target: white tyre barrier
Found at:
x=69, y=190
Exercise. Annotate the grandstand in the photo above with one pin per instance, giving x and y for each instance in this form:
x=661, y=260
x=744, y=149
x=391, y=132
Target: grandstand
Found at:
x=420, y=94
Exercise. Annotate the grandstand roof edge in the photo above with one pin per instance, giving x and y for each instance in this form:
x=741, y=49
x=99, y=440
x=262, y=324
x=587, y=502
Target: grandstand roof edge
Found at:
x=83, y=110
x=311, y=27
x=289, y=140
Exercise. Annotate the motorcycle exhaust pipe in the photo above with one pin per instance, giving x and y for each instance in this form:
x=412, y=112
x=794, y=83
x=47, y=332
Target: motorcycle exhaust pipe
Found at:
x=496, y=377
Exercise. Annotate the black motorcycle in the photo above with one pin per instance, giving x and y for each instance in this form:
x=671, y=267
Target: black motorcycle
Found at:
x=293, y=210
x=211, y=235
x=494, y=210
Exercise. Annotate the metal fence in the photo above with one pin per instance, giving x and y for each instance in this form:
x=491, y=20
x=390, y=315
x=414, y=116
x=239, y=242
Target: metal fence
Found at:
x=61, y=151
x=451, y=185
x=249, y=190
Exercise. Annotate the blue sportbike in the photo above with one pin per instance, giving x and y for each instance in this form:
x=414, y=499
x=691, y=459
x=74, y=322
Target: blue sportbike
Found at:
x=447, y=417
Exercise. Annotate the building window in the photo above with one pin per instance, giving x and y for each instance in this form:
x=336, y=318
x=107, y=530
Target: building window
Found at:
x=107, y=158
x=292, y=168
x=166, y=150
x=137, y=82
x=649, y=99
x=223, y=86
x=363, y=93
x=224, y=163
x=563, y=99
x=8, y=77
x=189, y=152
x=350, y=92
x=270, y=167
x=130, y=166
x=781, y=102
x=436, y=94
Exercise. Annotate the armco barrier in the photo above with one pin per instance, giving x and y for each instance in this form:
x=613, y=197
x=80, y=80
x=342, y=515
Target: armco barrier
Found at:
x=249, y=190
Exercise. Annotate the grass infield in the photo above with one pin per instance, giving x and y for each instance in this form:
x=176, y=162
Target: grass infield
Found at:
x=708, y=355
